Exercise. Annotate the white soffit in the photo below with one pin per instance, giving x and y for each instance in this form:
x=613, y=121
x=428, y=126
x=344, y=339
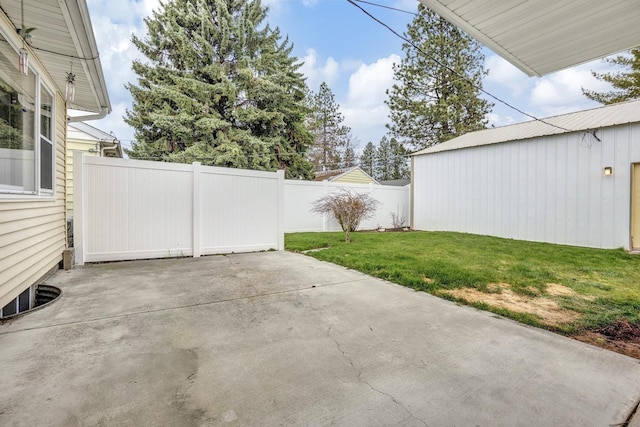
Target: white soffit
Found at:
x=543, y=36
x=63, y=34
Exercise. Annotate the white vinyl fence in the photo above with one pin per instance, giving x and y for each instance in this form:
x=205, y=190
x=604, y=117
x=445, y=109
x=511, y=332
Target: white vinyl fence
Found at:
x=132, y=209
x=300, y=195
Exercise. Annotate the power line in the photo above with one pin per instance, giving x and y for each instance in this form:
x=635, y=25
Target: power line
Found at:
x=386, y=7
x=353, y=2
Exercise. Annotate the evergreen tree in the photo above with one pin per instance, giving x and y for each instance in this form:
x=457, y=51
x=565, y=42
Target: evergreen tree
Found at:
x=219, y=87
x=627, y=84
x=368, y=159
x=331, y=136
x=349, y=157
x=399, y=166
x=434, y=100
x=384, y=160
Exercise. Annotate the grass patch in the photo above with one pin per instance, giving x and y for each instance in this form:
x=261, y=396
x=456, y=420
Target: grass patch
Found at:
x=598, y=286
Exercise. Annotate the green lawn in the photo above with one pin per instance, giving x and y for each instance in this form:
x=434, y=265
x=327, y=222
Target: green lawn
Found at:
x=604, y=285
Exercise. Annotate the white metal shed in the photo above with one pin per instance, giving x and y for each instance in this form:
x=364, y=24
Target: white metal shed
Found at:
x=532, y=181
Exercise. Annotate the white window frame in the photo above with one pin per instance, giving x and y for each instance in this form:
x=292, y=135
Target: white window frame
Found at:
x=41, y=82
x=39, y=189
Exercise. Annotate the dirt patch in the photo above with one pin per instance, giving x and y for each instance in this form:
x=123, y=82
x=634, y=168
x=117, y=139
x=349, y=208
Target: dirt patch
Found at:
x=557, y=289
x=621, y=337
x=502, y=296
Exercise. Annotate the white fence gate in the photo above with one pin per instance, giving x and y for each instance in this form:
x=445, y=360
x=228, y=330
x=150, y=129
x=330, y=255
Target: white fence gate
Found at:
x=132, y=209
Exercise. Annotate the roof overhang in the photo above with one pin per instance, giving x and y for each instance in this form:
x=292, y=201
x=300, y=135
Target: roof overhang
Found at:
x=543, y=36
x=63, y=37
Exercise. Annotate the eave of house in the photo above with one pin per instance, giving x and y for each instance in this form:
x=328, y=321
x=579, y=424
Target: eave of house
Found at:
x=63, y=38
x=541, y=36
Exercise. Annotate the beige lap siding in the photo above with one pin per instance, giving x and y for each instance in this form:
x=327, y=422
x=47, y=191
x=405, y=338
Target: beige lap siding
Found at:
x=33, y=229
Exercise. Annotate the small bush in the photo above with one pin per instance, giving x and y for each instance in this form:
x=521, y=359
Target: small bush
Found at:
x=348, y=207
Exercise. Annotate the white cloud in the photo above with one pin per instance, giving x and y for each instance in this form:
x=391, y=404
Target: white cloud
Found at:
x=505, y=74
x=496, y=120
x=561, y=92
x=368, y=84
x=365, y=111
x=317, y=72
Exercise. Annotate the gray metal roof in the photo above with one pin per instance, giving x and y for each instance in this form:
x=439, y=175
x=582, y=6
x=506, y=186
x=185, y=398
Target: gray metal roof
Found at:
x=92, y=131
x=64, y=36
x=543, y=36
x=601, y=117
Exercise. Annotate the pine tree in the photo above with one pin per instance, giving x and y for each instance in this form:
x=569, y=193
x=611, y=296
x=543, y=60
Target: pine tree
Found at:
x=627, y=84
x=434, y=100
x=368, y=159
x=330, y=134
x=399, y=166
x=349, y=157
x=384, y=160
x=219, y=87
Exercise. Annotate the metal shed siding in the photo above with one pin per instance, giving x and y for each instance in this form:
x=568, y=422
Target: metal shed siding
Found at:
x=549, y=189
x=33, y=230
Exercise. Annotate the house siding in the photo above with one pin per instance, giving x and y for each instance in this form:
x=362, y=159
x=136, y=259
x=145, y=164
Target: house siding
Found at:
x=548, y=189
x=355, y=177
x=33, y=229
x=76, y=141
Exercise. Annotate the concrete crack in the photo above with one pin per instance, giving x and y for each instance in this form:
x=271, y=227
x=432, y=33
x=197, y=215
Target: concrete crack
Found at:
x=364, y=381
x=630, y=417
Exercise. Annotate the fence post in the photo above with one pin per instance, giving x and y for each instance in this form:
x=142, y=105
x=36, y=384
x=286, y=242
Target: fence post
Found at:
x=197, y=247
x=325, y=220
x=78, y=207
x=280, y=207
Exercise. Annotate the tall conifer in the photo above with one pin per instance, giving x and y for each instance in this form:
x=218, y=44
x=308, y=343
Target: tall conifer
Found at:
x=437, y=96
x=331, y=136
x=220, y=87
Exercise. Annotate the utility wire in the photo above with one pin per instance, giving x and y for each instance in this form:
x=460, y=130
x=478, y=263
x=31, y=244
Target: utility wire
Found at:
x=386, y=7
x=81, y=58
x=353, y=2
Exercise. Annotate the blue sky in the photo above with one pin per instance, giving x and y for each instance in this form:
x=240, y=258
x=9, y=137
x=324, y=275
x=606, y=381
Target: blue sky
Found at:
x=352, y=53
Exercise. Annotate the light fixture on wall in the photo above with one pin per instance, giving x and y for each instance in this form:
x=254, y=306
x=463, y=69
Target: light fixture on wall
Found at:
x=71, y=85
x=25, y=33
x=24, y=61
x=608, y=170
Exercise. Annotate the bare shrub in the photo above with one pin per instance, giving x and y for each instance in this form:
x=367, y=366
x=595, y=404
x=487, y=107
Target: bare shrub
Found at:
x=348, y=207
x=398, y=220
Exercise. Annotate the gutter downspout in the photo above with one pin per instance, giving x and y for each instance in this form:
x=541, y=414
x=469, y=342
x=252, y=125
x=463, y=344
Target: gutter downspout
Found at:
x=106, y=145
x=96, y=116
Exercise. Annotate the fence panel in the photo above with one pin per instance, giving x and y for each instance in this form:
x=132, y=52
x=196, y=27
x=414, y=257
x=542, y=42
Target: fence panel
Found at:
x=300, y=195
x=132, y=209
x=240, y=210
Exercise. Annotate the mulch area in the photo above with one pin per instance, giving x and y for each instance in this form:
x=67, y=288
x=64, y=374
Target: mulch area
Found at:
x=621, y=337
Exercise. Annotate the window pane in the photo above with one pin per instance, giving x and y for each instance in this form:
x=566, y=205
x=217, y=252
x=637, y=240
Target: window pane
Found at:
x=46, y=165
x=46, y=146
x=17, y=148
x=10, y=308
x=46, y=109
x=24, y=300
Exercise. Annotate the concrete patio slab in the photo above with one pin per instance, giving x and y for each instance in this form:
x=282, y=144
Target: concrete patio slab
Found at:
x=277, y=338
